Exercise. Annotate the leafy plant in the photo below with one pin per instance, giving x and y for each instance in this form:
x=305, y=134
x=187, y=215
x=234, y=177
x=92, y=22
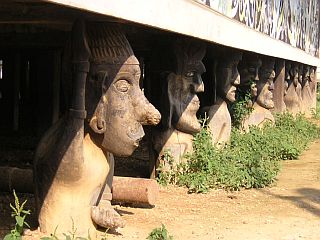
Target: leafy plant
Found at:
x=167, y=172
x=250, y=160
x=67, y=236
x=160, y=234
x=19, y=214
x=242, y=107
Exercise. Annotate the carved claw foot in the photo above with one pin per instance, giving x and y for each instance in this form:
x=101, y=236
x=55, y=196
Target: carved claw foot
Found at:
x=105, y=216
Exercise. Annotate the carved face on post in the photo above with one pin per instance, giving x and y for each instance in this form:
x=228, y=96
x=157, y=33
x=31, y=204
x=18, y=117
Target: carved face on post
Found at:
x=306, y=75
x=183, y=86
x=249, y=72
x=300, y=79
x=228, y=77
x=312, y=74
x=287, y=77
x=294, y=73
x=114, y=77
x=265, y=84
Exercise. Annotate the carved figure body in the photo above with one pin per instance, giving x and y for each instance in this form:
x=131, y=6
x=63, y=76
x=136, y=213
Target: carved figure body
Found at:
x=299, y=86
x=307, y=95
x=227, y=80
x=264, y=100
x=313, y=86
x=291, y=97
x=74, y=161
x=180, y=102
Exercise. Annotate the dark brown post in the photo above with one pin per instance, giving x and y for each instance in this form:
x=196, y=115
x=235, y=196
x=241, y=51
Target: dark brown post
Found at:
x=56, y=86
x=278, y=92
x=16, y=92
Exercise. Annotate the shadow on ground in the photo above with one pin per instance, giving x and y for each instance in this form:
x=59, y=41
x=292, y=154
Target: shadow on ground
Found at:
x=307, y=199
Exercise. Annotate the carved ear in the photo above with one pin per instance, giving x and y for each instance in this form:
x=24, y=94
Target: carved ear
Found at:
x=97, y=122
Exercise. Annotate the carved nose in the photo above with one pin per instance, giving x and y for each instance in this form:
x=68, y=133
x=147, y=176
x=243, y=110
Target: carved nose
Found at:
x=151, y=115
x=237, y=81
x=256, y=78
x=271, y=86
x=145, y=112
x=197, y=87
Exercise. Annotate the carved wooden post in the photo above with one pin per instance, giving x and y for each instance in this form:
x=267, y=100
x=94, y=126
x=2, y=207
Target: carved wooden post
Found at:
x=313, y=86
x=59, y=161
x=227, y=79
x=74, y=160
x=278, y=92
x=180, y=104
x=263, y=101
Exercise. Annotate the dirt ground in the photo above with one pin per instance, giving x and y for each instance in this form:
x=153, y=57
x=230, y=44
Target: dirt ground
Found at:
x=289, y=210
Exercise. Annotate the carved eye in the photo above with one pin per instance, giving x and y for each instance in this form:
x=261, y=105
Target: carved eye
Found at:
x=190, y=74
x=251, y=69
x=122, y=85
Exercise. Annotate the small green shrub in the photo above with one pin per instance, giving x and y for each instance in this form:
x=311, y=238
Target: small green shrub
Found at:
x=166, y=170
x=250, y=160
x=159, y=234
x=19, y=214
x=241, y=108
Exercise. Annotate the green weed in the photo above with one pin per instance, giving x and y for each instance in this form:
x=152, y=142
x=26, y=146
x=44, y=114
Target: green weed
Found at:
x=19, y=214
x=71, y=235
x=160, y=234
x=250, y=160
x=167, y=171
x=241, y=108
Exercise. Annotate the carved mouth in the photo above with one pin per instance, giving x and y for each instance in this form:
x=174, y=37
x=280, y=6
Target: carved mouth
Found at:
x=135, y=133
x=193, y=103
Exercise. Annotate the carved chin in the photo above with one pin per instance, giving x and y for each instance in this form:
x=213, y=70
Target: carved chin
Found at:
x=188, y=124
x=123, y=149
x=268, y=104
x=231, y=96
x=123, y=143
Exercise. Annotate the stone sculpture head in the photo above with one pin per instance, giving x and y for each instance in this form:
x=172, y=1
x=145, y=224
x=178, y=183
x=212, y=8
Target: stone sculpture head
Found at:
x=306, y=75
x=183, y=85
x=117, y=108
x=313, y=74
x=265, y=84
x=249, y=72
x=294, y=73
x=287, y=77
x=227, y=74
x=301, y=72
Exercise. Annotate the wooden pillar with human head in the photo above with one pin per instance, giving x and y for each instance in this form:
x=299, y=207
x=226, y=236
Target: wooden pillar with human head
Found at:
x=226, y=79
x=74, y=160
x=180, y=103
x=291, y=97
x=279, y=86
x=263, y=101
